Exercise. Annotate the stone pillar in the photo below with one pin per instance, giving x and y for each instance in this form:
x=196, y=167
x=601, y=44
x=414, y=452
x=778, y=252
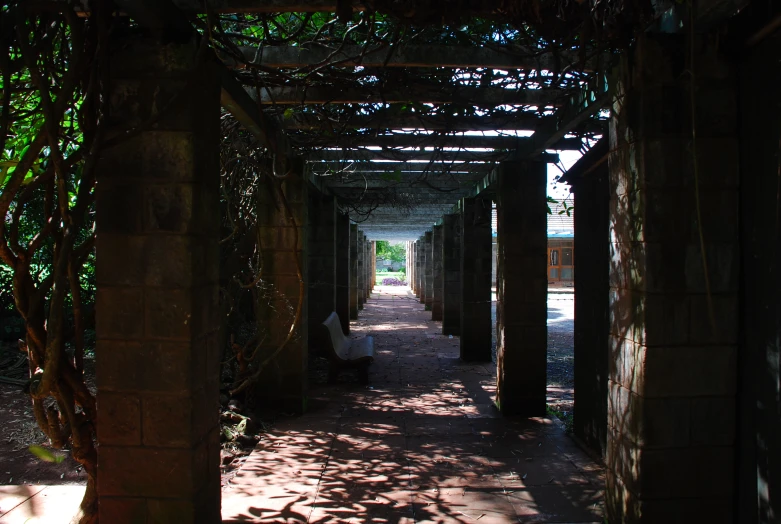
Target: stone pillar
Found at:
x=451, y=260
x=673, y=325
x=361, y=270
x=411, y=269
x=367, y=245
x=438, y=276
x=476, y=280
x=321, y=259
x=592, y=295
x=343, y=271
x=284, y=238
x=354, y=272
x=421, y=270
x=157, y=254
x=522, y=305
x=429, y=269
x=759, y=462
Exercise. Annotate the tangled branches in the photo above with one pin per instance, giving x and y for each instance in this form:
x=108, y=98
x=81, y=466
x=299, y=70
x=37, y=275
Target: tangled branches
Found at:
x=53, y=68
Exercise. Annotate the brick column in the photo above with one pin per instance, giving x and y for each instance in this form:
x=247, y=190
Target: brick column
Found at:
x=367, y=246
x=421, y=269
x=353, y=271
x=361, y=269
x=157, y=259
x=283, y=384
x=592, y=295
x=429, y=268
x=451, y=260
x=343, y=270
x=413, y=276
x=374, y=263
x=671, y=404
x=321, y=258
x=438, y=275
x=522, y=308
x=476, y=280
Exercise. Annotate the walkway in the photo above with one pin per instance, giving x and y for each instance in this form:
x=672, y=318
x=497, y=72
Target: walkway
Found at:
x=421, y=444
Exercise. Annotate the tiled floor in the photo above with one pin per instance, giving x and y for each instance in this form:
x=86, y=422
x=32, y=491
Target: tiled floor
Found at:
x=39, y=504
x=423, y=443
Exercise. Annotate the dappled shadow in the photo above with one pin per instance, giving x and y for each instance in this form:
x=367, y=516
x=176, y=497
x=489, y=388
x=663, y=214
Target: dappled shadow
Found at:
x=422, y=443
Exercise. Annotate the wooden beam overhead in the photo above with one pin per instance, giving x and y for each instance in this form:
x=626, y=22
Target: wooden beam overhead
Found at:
x=368, y=155
x=484, y=97
x=413, y=169
x=453, y=56
x=522, y=121
x=429, y=140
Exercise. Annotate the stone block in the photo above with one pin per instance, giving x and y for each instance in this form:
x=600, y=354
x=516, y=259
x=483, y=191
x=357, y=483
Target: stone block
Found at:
x=713, y=421
x=156, y=155
x=149, y=366
x=124, y=411
x=722, y=329
x=688, y=371
x=723, y=264
x=170, y=313
x=149, y=472
x=168, y=208
x=120, y=207
x=122, y=509
x=120, y=312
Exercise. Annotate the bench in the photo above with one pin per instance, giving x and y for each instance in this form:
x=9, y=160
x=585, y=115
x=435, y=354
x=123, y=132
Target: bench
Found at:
x=347, y=353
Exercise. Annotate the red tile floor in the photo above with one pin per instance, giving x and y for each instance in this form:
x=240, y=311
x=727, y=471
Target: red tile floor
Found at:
x=422, y=443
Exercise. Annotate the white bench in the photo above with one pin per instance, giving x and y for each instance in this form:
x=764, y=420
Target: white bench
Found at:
x=346, y=353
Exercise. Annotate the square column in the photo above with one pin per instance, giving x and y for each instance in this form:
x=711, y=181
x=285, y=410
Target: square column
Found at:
x=421, y=269
x=353, y=272
x=322, y=265
x=283, y=383
x=429, y=269
x=476, y=263
x=361, y=269
x=374, y=264
x=343, y=271
x=522, y=306
x=438, y=276
x=157, y=256
x=411, y=271
x=451, y=260
x=592, y=297
x=674, y=274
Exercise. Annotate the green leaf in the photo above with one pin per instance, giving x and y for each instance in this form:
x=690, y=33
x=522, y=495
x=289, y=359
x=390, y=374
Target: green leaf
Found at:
x=46, y=455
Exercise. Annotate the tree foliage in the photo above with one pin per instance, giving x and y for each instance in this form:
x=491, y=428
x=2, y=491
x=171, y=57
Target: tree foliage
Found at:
x=392, y=252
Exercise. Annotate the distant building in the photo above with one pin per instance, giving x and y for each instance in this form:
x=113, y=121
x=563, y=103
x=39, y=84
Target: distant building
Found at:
x=561, y=246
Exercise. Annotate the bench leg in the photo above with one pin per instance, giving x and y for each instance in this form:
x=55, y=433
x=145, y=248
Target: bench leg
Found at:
x=333, y=372
x=363, y=375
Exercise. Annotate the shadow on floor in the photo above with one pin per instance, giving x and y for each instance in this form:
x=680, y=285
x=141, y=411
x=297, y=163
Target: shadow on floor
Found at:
x=423, y=443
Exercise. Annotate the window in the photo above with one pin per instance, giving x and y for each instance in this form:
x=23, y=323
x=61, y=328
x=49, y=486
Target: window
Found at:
x=554, y=257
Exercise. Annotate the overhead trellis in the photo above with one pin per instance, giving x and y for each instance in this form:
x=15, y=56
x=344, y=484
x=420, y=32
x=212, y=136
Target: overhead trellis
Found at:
x=360, y=92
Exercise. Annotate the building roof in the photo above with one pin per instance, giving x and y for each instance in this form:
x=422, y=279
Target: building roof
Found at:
x=560, y=224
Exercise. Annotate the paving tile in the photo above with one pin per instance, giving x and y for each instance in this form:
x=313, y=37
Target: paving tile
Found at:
x=12, y=496
x=422, y=443
x=48, y=505
x=460, y=505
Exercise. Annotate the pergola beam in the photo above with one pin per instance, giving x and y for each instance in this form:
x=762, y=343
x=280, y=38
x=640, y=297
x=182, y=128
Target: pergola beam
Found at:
x=485, y=97
x=396, y=155
x=288, y=57
x=396, y=140
x=521, y=121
